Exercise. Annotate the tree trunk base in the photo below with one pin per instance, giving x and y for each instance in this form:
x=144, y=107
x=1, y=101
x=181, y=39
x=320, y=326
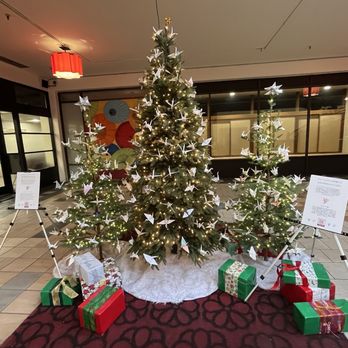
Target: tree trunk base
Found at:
x=174, y=249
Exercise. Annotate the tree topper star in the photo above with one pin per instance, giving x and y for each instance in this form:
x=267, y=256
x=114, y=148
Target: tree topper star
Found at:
x=274, y=89
x=83, y=103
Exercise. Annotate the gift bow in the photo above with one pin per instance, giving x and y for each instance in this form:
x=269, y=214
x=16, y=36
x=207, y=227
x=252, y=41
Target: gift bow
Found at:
x=66, y=289
x=285, y=267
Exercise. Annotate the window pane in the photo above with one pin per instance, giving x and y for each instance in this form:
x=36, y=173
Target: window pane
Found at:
x=30, y=96
x=37, y=142
x=14, y=163
x=7, y=122
x=41, y=160
x=220, y=132
x=237, y=143
x=233, y=102
x=72, y=122
x=34, y=124
x=202, y=101
x=11, y=143
x=329, y=107
x=231, y=114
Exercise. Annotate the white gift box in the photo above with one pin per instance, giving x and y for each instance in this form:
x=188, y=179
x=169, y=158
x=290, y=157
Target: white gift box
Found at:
x=89, y=268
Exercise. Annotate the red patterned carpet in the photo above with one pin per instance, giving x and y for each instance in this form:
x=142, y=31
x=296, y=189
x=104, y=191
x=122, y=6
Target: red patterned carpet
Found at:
x=216, y=321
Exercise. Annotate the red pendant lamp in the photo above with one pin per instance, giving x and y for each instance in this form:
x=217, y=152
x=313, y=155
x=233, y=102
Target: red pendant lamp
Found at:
x=66, y=65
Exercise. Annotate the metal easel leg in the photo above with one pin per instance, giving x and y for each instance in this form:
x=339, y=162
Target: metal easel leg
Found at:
x=342, y=254
x=9, y=228
x=48, y=242
x=314, y=239
x=262, y=276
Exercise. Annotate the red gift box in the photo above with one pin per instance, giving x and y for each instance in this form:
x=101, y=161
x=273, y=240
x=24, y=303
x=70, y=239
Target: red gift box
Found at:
x=300, y=293
x=106, y=313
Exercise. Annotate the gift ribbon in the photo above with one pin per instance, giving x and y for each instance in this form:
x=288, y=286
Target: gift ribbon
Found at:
x=331, y=316
x=94, y=304
x=66, y=289
x=285, y=267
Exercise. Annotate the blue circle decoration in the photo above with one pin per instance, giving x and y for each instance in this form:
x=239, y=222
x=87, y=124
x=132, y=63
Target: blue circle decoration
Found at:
x=116, y=111
x=112, y=148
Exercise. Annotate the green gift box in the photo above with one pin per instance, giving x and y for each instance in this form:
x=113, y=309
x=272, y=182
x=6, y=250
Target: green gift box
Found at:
x=321, y=317
x=60, y=292
x=305, y=273
x=236, y=278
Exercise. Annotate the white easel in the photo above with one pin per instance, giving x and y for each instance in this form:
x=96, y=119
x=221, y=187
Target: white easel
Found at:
x=27, y=198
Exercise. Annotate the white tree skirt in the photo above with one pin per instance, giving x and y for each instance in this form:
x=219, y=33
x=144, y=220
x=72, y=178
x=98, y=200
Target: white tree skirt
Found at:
x=177, y=281
x=180, y=280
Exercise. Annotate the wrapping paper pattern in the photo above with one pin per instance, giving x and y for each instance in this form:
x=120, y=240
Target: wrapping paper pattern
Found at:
x=308, y=270
x=231, y=277
x=314, y=273
x=331, y=317
x=236, y=278
x=313, y=318
x=112, y=278
x=320, y=294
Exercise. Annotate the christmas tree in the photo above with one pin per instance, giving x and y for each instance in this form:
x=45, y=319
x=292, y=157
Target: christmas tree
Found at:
x=175, y=202
x=265, y=212
x=98, y=202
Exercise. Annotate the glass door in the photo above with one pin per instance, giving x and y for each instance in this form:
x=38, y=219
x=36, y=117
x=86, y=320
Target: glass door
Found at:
x=8, y=144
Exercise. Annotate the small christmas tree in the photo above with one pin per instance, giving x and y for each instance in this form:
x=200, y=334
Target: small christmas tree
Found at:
x=265, y=212
x=175, y=203
x=98, y=201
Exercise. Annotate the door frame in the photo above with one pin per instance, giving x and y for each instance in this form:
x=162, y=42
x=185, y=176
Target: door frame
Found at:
x=5, y=163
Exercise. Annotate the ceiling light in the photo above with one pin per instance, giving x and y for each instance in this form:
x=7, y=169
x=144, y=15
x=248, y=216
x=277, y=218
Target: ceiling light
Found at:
x=232, y=94
x=346, y=98
x=327, y=88
x=66, y=65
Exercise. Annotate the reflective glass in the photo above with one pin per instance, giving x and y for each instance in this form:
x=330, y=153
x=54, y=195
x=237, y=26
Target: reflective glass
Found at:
x=39, y=160
x=7, y=122
x=34, y=124
x=329, y=120
x=11, y=143
x=37, y=142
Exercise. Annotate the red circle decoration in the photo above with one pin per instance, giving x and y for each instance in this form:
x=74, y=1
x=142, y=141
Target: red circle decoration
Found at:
x=124, y=135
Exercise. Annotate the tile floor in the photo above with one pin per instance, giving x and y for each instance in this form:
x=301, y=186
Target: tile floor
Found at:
x=26, y=265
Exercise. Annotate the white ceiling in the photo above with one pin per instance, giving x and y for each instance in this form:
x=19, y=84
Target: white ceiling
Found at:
x=114, y=36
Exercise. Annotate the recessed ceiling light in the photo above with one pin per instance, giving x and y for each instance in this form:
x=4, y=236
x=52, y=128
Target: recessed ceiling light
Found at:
x=232, y=94
x=346, y=98
x=327, y=88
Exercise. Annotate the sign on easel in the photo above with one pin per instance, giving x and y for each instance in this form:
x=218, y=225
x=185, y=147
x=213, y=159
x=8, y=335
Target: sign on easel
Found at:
x=326, y=203
x=27, y=190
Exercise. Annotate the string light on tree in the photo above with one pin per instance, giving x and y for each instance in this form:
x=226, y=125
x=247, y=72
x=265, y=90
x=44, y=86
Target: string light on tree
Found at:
x=171, y=162
x=265, y=214
x=96, y=210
